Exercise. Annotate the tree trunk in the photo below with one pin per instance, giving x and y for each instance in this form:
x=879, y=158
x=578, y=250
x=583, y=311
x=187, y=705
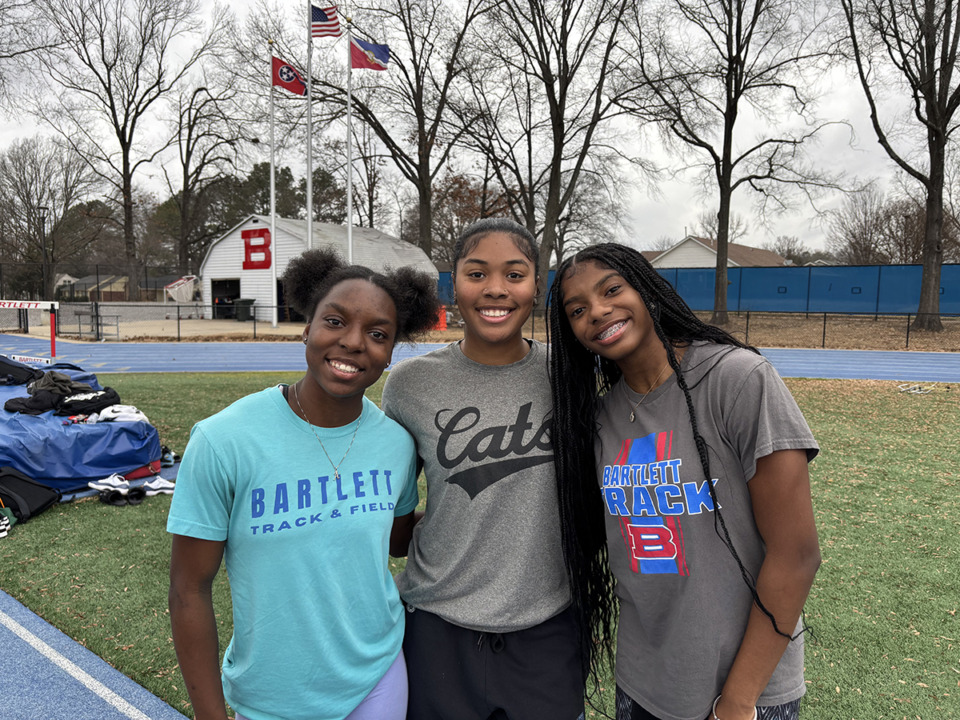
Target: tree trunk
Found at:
x=543, y=265
x=426, y=218
x=720, y=316
x=183, y=247
x=724, y=171
x=129, y=241
x=551, y=215
x=928, y=311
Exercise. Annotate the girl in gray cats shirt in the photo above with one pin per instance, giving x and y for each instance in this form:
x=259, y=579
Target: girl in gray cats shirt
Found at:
x=682, y=461
x=489, y=630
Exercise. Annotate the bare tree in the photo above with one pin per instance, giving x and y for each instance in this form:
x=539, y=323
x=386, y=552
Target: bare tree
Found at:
x=407, y=106
x=208, y=142
x=855, y=231
x=594, y=214
x=116, y=60
x=368, y=174
x=793, y=249
x=788, y=247
x=660, y=244
x=905, y=231
x=459, y=199
x=902, y=222
x=43, y=173
x=708, y=226
x=22, y=33
x=870, y=229
x=918, y=41
x=712, y=64
x=545, y=95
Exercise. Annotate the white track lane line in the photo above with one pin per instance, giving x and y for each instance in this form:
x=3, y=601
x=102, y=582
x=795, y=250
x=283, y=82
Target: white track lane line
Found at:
x=91, y=683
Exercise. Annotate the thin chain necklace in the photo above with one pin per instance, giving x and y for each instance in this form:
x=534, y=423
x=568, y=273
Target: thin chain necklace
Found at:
x=336, y=467
x=633, y=412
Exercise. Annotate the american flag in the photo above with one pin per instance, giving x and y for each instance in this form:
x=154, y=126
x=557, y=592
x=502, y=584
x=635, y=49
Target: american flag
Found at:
x=324, y=22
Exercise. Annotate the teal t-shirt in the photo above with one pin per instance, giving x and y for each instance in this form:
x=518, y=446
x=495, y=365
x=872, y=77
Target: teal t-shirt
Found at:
x=317, y=616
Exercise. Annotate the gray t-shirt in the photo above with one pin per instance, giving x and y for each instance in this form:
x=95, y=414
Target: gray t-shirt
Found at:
x=684, y=605
x=487, y=555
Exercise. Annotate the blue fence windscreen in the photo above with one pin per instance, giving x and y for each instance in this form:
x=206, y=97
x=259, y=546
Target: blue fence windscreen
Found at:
x=884, y=289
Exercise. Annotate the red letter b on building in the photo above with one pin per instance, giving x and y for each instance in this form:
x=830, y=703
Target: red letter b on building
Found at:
x=256, y=242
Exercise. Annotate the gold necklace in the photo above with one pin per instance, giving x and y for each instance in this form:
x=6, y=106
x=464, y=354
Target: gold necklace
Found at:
x=336, y=467
x=633, y=412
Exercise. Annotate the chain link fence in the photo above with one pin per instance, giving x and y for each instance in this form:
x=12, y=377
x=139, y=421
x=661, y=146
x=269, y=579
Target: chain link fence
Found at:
x=248, y=320
x=157, y=322
x=95, y=282
x=841, y=331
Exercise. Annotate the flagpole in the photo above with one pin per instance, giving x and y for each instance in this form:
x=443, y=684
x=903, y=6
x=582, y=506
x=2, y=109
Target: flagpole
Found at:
x=349, y=143
x=309, y=125
x=273, y=205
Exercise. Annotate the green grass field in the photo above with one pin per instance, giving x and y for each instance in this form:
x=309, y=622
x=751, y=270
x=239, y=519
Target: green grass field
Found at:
x=883, y=610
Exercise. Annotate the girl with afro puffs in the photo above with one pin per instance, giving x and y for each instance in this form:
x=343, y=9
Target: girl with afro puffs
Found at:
x=297, y=488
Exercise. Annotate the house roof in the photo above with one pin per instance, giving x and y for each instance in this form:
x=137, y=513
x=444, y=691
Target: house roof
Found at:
x=737, y=255
x=89, y=282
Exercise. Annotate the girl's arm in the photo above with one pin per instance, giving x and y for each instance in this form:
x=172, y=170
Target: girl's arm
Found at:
x=783, y=511
x=193, y=565
x=402, y=532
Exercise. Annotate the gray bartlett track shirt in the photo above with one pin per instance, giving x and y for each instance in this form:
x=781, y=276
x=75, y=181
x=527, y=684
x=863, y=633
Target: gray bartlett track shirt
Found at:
x=487, y=555
x=683, y=603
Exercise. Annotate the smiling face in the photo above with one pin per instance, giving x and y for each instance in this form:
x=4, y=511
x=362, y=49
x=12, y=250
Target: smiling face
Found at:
x=608, y=316
x=495, y=285
x=350, y=340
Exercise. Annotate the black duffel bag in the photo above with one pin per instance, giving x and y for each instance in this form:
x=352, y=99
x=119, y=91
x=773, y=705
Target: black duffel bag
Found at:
x=25, y=496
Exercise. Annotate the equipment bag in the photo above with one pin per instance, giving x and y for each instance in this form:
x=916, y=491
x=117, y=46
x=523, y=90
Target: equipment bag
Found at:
x=16, y=373
x=24, y=496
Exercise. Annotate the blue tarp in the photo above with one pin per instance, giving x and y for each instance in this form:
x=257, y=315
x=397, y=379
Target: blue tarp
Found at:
x=69, y=456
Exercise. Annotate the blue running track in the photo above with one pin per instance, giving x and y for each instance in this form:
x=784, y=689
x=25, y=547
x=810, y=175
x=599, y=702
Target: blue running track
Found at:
x=288, y=356
x=44, y=674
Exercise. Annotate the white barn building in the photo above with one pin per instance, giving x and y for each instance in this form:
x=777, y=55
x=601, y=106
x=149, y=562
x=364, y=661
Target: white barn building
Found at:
x=239, y=264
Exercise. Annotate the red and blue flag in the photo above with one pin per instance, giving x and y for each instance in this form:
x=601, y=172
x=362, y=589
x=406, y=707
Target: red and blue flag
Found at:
x=368, y=56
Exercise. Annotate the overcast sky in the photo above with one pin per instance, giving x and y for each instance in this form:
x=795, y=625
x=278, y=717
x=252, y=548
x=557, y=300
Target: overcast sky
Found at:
x=675, y=211
x=852, y=149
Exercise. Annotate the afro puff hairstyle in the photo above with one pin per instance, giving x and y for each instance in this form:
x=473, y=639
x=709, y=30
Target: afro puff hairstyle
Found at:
x=311, y=276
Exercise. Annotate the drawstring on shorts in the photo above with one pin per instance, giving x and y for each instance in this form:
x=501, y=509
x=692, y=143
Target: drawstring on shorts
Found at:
x=497, y=641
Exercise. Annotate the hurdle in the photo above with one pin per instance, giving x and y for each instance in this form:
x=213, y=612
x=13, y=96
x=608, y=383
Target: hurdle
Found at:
x=50, y=305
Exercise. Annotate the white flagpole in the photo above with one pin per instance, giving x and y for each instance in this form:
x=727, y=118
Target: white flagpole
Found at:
x=309, y=125
x=349, y=143
x=273, y=206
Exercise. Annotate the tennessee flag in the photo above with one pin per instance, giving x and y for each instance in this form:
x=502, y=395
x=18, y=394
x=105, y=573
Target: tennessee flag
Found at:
x=368, y=56
x=284, y=76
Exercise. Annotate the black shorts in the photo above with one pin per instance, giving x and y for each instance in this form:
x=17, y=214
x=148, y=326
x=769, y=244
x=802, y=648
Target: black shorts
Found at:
x=461, y=674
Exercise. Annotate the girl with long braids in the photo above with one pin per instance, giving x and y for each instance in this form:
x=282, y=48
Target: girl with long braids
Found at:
x=299, y=487
x=682, y=463
x=489, y=630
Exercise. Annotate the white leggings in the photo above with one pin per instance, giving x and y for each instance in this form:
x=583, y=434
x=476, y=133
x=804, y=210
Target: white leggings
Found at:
x=387, y=700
